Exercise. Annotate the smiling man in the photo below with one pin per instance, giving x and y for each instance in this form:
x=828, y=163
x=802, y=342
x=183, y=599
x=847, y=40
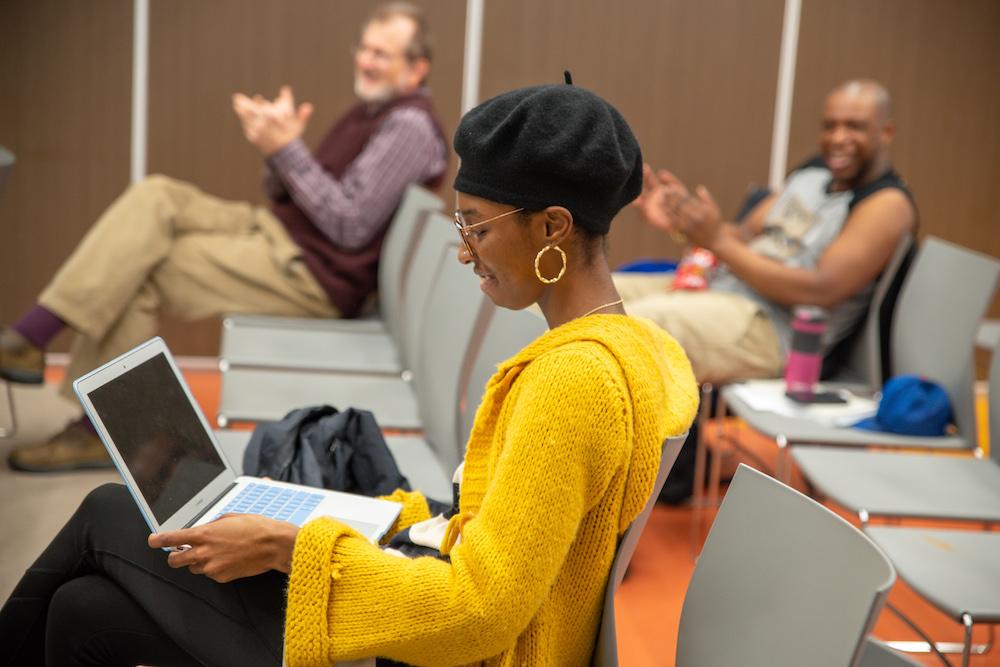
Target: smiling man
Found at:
x=165, y=246
x=823, y=240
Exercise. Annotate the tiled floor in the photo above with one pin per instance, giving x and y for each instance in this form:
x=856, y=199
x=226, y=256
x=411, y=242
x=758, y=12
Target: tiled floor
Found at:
x=33, y=507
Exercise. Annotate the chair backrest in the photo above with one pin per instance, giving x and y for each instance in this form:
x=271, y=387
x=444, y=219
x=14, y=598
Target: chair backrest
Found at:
x=864, y=356
x=942, y=302
x=993, y=423
x=781, y=581
x=438, y=233
x=397, y=251
x=500, y=334
x=878, y=654
x=606, y=649
x=448, y=319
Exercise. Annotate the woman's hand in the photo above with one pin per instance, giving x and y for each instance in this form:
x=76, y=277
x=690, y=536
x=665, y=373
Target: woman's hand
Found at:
x=231, y=547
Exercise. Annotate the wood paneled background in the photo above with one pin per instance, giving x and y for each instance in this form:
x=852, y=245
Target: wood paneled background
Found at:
x=941, y=62
x=65, y=111
x=695, y=79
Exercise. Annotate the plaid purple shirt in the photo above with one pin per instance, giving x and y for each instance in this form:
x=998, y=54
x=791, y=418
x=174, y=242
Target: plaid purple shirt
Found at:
x=406, y=149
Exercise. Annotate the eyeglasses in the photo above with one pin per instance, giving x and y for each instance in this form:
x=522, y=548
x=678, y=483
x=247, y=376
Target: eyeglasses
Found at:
x=463, y=227
x=378, y=55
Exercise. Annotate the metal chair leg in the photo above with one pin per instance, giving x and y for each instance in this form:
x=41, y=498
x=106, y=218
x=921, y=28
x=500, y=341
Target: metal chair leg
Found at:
x=783, y=462
x=940, y=649
x=715, y=469
x=701, y=453
x=967, y=644
x=8, y=432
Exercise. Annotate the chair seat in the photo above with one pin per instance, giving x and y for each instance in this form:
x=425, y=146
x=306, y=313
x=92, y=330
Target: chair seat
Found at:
x=800, y=430
x=781, y=580
x=958, y=571
x=878, y=654
x=418, y=462
x=267, y=395
x=233, y=444
x=367, y=324
x=911, y=485
x=323, y=345
x=414, y=456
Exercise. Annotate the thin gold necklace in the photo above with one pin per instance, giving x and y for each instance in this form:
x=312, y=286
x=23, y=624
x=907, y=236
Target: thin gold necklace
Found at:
x=607, y=305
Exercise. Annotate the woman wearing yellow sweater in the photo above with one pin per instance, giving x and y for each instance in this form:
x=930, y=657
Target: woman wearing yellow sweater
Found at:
x=562, y=456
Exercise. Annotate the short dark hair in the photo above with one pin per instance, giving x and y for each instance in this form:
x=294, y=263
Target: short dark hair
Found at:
x=420, y=45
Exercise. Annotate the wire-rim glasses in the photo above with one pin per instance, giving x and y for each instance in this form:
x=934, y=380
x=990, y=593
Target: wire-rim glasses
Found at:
x=463, y=226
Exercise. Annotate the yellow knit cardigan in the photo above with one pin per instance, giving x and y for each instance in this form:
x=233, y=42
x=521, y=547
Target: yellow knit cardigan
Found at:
x=562, y=457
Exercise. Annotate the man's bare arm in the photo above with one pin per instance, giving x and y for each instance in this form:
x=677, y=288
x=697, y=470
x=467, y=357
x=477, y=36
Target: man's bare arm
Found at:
x=857, y=256
x=753, y=222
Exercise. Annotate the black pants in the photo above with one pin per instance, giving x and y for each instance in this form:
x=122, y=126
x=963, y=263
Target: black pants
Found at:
x=98, y=595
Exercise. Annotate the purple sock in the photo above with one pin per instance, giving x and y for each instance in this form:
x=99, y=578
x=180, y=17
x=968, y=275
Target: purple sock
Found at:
x=39, y=325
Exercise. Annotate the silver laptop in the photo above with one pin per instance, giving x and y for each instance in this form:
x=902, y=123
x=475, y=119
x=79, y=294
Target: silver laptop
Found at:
x=165, y=451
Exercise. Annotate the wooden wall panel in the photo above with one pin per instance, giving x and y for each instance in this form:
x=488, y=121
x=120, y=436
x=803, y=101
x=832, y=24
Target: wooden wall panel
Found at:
x=65, y=73
x=941, y=62
x=695, y=80
x=202, y=52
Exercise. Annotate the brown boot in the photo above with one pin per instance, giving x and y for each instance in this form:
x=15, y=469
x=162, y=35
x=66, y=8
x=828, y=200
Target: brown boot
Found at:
x=20, y=361
x=76, y=447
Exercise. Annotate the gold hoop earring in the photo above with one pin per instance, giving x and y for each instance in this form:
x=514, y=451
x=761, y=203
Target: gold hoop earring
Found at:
x=538, y=258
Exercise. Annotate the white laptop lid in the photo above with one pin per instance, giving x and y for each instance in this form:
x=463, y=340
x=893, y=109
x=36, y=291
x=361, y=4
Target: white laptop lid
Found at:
x=166, y=452
x=157, y=436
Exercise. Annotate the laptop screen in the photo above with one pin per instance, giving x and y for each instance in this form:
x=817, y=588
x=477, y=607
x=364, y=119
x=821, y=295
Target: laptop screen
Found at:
x=159, y=435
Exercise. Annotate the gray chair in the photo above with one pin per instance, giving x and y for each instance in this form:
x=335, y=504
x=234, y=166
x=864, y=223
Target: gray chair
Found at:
x=7, y=161
x=988, y=337
x=865, y=358
x=451, y=309
x=879, y=654
x=447, y=396
x=261, y=394
x=781, y=581
x=862, y=361
x=448, y=388
x=606, y=650
x=926, y=486
x=957, y=571
x=936, y=321
x=505, y=332
x=359, y=345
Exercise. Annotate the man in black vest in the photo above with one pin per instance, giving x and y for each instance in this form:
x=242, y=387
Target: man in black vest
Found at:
x=822, y=241
x=165, y=246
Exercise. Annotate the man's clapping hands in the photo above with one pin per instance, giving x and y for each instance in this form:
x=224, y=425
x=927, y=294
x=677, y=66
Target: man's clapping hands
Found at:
x=270, y=125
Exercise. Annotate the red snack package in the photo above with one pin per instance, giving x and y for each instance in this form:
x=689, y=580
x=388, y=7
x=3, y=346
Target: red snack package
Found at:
x=694, y=270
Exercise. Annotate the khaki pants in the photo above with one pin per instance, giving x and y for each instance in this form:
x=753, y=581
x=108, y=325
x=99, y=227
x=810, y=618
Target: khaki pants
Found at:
x=166, y=247
x=726, y=336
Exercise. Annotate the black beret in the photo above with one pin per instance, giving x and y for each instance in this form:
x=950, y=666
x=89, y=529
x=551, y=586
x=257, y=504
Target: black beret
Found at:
x=558, y=145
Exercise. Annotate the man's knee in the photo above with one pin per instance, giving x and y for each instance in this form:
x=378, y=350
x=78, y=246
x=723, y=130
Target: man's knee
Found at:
x=157, y=182
x=661, y=309
x=158, y=186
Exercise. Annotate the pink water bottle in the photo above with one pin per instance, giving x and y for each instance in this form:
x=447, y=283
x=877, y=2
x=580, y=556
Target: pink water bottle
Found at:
x=805, y=359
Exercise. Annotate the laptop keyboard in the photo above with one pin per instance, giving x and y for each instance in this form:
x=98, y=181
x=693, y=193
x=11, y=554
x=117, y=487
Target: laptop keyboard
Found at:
x=291, y=505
